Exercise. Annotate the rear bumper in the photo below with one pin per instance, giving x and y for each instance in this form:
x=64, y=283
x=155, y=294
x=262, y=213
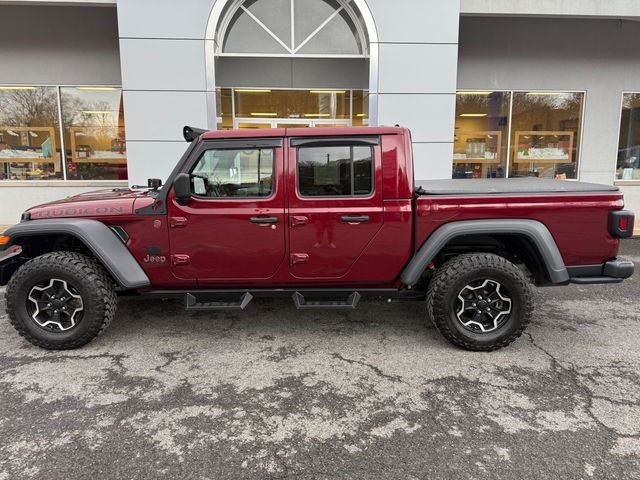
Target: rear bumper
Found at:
x=613, y=271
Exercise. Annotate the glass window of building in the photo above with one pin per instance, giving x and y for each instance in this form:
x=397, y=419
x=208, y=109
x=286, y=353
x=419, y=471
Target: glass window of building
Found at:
x=628, y=165
x=545, y=134
x=360, y=113
x=517, y=134
x=224, y=109
x=481, y=133
x=288, y=27
x=250, y=108
x=29, y=134
x=94, y=137
x=279, y=39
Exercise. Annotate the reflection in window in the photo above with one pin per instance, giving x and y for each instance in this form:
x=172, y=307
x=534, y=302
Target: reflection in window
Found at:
x=93, y=121
x=545, y=130
x=234, y=173
x=29, y=138
x=628, y=166
x=481, y=131
x=335, y=171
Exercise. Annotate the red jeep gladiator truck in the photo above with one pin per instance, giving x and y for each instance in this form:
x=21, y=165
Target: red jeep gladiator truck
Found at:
x=323, y=216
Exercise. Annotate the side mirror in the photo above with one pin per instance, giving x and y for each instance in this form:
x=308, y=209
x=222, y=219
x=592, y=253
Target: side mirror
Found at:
x=182, y=188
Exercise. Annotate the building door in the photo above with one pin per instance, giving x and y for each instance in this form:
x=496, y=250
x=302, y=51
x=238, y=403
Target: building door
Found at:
x=335, y=205
x=234, y=226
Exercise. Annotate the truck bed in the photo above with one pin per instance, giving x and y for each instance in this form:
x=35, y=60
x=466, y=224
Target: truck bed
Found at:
x=491, y=186
x=572, y=211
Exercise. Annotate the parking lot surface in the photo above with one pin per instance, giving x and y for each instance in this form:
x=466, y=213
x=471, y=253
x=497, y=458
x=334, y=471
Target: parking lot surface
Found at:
x=272, y=392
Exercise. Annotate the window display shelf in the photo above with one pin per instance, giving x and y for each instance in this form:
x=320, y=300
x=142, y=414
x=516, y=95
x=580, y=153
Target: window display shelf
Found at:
x=551, y=147
x=87, y=153
x=475, y=160
x=482, y=147
x=12, y=149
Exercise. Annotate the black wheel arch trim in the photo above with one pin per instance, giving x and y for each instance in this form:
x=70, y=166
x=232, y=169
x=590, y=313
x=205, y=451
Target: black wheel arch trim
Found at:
x=97, y=237
x=533, y=230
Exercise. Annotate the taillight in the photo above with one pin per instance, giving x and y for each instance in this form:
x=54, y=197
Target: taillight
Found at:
x=621, y=223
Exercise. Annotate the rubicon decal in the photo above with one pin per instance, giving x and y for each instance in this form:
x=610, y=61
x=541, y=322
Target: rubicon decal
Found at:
x=81, y=212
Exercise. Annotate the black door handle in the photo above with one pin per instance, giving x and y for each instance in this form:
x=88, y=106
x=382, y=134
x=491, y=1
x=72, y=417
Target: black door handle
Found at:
x=263, y=219
x=355, y=219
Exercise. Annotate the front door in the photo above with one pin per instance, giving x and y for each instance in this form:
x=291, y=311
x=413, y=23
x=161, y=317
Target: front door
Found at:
x=335, y=204
x=233, y=228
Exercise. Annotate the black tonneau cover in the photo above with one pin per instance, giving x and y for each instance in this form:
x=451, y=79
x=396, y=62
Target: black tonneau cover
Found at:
x=498, y=186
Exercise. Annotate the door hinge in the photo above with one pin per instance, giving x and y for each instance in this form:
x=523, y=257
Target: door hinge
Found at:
x=177, y=222
x=299, y=258
x=180, y=259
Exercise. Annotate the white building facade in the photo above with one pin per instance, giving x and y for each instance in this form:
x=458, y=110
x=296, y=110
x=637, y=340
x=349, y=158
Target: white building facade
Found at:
x=94, y=94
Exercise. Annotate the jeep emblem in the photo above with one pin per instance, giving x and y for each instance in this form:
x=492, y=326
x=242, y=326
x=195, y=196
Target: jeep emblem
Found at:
x=154, y=259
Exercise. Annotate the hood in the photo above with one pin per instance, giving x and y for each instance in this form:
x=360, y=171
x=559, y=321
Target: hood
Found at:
x=99, y=203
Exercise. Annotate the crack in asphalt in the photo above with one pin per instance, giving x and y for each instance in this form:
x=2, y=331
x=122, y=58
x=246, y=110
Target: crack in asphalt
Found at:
x=574, y=375
x=170, y=357
x=380, y=373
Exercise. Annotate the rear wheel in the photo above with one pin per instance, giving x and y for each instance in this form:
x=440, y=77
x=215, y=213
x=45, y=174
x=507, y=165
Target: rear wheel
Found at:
x=480, y=301
x=61, y=300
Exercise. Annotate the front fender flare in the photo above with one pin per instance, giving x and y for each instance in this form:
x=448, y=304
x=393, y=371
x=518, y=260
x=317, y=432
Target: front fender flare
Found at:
x=533, y=230
x=97, y=237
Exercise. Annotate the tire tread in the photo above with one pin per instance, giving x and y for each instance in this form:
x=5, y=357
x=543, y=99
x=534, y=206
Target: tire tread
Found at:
x=452, y=270
x=73, y=263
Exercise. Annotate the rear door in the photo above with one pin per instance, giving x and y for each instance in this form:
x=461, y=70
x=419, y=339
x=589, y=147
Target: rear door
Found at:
x=334, y=202
x=233, y=227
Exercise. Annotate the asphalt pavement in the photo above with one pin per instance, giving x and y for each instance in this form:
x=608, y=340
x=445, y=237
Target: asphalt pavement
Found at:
x=375, y=393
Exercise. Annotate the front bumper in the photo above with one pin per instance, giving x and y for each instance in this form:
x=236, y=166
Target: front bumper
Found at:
x=9, y=262
x=613, y=271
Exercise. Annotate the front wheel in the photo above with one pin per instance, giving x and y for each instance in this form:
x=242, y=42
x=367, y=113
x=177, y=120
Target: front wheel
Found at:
x=61, y=300
x=480, y=301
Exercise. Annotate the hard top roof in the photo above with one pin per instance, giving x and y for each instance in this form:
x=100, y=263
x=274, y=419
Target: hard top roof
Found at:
x=302, y=132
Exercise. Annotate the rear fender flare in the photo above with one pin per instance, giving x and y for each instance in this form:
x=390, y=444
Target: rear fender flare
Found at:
x=97, y=237
x=533, y=230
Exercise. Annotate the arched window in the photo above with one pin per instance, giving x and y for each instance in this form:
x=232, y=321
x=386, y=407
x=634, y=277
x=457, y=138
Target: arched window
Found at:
x=292, y=28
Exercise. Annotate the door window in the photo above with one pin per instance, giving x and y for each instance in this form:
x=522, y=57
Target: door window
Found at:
x=343, y=171
x=239, y=173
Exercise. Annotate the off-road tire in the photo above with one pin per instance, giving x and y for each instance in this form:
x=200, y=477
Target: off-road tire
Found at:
x=89, y=278
x=451, y=278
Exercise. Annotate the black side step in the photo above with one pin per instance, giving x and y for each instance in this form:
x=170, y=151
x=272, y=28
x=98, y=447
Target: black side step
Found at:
x=301, y=303
x=191, y=303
